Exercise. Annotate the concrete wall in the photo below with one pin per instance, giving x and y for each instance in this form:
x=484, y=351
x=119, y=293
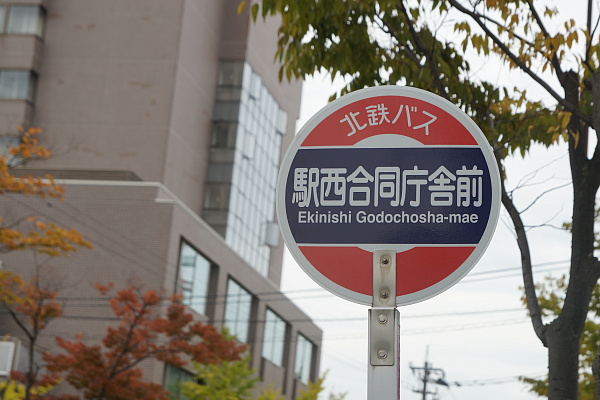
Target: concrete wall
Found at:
x=106, y=83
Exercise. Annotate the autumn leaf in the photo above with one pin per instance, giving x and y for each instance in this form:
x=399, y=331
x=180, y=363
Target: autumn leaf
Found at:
x=110, y=370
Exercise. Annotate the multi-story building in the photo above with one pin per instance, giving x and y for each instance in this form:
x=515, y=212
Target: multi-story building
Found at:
x=167, y=122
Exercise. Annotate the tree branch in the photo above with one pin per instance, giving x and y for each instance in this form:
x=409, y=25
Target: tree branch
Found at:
x=554, y=60
x=18, y=321
x=385, y=27
x=512, y=33
x=533, y=305
x=545, y=192
x=513, y=57
x=591, y=32
x=429, y=58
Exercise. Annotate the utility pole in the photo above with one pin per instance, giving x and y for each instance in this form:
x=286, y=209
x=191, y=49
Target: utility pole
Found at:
x=428, y=374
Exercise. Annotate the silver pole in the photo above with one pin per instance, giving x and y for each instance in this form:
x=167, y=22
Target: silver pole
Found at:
x=383, y=381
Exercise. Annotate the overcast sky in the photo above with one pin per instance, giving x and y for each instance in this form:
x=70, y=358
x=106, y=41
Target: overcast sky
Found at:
x=477, y=332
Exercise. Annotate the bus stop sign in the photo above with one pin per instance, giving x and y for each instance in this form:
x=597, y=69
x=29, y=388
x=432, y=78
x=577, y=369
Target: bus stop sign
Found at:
x=388, y=168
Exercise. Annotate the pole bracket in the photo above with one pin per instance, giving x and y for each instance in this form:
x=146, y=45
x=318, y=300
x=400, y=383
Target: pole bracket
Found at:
x=382, y=317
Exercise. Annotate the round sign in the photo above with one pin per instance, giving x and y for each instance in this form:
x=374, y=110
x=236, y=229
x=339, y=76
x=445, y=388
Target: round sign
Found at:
x=388, y=168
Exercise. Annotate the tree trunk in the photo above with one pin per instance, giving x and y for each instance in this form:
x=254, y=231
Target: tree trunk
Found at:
x=564, y=334
x=563, y=361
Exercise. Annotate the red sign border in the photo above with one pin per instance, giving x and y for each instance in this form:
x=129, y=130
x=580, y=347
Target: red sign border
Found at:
x=324, y=277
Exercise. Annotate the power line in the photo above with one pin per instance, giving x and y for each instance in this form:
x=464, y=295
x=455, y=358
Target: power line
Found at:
x=146, y=252
x=496, y=381
x=325, y=294
x=468, y=280
x=332, y=320
x=495, y=271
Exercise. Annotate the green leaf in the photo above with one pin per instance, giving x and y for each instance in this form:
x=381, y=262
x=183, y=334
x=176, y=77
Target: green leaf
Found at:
x=254, y=11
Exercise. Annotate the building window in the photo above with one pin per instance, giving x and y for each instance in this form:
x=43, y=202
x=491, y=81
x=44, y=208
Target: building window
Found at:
x=274, y=338
x=22, y=20
x=17, y=84
x=224, y=135
x=304, y=355
x=174, y=377
x=237, y=311
x=194, y=274
x=217, y=196
x=2, y=18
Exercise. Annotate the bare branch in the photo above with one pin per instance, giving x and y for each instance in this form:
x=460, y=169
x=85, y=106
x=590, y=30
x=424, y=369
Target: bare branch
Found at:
x=18, y=321
x=509, y=227
x=545, y=225
x=523, y=182
x=545, y=192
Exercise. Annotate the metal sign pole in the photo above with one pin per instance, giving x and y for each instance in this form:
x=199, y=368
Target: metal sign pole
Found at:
x=384, y=331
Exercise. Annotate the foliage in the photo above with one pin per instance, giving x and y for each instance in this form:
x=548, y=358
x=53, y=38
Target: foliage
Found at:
x=45, y=238
x=235, y=380
x=32, y=308
x=398, y=44
x=552, y=297
x=228, y=380
x=111, y=371
x=312, y=391
x=446, y=47
x=12, y=390
x=270, y=393
x=28, y=303
x=27, y=149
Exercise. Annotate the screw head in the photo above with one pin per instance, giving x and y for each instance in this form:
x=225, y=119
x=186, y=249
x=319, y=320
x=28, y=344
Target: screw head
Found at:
x=385, y=260
x=384, y=294
x=382, y=318
x=381, y=354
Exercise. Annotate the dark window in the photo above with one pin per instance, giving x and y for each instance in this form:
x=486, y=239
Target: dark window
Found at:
x=194, y=274
x=274, y=338
x=237, y=311
x=17, y=84
x=22, y=19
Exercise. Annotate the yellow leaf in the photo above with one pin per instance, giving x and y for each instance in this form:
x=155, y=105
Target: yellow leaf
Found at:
x=575, y=137
x=565, y=118
x=240, y=8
